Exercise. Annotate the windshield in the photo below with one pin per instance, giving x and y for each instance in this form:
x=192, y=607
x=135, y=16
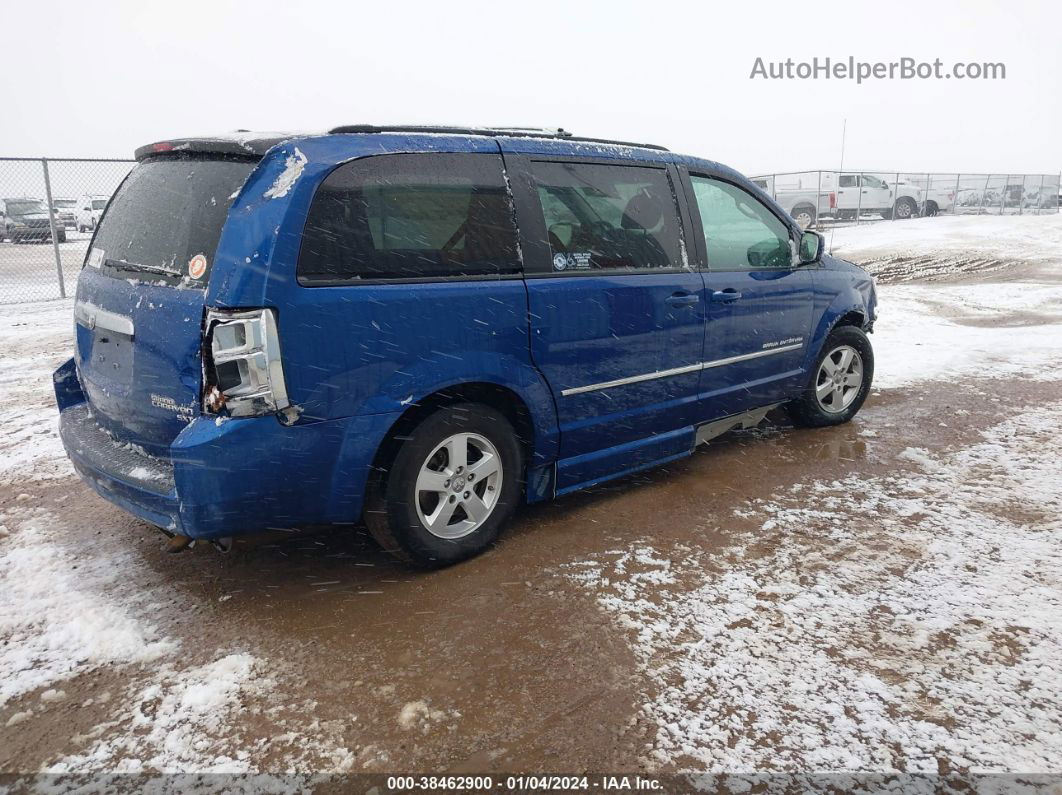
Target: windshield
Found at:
x=167, y=213
x=65, y=204
x=25, y=207
x=99, y=204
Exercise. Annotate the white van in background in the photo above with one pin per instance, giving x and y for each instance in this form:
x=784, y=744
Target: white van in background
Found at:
x=89, y=209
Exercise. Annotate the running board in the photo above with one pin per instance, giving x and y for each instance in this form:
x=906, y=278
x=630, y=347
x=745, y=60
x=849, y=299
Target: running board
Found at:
x=748, y=419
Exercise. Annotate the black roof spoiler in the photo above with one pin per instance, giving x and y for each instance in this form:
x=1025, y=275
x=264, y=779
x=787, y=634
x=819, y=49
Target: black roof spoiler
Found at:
x=241, y=144
x=494, y=132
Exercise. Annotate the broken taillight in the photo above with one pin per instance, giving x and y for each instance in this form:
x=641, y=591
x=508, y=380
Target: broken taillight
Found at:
x=243, y=373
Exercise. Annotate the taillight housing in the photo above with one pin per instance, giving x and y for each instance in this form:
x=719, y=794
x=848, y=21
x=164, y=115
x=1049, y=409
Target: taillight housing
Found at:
x=833, y=200
x=243, y=375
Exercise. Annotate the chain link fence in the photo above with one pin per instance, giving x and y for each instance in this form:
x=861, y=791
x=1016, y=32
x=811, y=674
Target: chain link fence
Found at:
x=50, y=207
x=48, y=211
x=820, y=198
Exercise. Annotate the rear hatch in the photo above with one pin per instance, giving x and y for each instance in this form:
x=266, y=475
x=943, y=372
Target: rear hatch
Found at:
x=139, y=309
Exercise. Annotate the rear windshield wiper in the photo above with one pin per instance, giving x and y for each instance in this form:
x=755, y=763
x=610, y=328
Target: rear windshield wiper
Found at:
x=122, y=265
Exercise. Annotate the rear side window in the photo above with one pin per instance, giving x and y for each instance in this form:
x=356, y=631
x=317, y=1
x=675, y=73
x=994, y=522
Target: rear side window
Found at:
x=410, y=217
x=740, y=233
x=603, y=217
x=166, y=214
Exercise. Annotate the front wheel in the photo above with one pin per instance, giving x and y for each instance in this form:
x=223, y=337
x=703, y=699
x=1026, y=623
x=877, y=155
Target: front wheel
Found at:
x=840, y=381
x=453, y=484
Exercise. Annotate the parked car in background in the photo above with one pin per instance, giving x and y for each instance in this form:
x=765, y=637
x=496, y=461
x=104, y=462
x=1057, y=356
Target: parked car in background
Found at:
x=866, y=194
x=27, y=220
x=938, y=200
x=89, y=210
x=426, y=327
x=811, y=195
x=66, y=212
x=804, y=205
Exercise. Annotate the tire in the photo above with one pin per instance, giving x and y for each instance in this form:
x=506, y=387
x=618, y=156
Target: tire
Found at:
x=399, y=509
x=80, y=228
x=822, y=403
x=62, y=236
x=905, y=209
x=804, y=214
x=931, y=209
x=15, y=238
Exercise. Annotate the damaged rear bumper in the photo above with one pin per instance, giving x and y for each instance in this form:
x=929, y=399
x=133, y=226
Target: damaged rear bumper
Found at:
x=226, y=477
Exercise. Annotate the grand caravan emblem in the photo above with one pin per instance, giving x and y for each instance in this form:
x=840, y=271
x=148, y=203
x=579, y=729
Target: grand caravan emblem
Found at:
x=184, y=411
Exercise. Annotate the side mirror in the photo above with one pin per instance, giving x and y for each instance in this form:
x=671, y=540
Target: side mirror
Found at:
x=812, y=246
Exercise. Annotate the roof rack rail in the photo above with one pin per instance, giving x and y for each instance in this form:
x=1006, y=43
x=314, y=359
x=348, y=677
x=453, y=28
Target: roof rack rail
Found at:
x=523, y=132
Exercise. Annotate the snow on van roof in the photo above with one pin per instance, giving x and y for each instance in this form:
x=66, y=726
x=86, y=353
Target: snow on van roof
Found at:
x=250, y=143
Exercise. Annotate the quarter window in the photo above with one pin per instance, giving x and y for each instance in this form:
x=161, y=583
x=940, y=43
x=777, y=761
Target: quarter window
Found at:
x=410, y=217
x=739, y=232
x=608, y=218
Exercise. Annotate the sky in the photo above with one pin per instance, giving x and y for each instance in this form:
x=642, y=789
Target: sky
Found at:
x=676, y=74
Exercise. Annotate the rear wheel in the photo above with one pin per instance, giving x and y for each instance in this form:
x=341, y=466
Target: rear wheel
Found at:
x=905, y=208
x=840, y=381
x=804, y=214
x=932, y=209
x=453, y=484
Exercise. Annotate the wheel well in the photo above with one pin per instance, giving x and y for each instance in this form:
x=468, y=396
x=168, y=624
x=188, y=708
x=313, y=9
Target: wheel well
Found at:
x=497, y=397
x=852, y=318
x=804, y=206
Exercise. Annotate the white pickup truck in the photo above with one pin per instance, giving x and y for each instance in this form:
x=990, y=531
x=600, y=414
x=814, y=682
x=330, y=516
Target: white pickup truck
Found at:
x=805, y=205
x=867, y=194
x=842, y=195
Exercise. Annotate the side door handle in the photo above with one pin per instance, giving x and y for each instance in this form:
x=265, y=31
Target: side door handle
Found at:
x=683, y=299
x=727, y=296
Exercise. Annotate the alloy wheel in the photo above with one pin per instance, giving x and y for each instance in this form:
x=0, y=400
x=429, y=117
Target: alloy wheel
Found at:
x=458, y=485
x=839, y=379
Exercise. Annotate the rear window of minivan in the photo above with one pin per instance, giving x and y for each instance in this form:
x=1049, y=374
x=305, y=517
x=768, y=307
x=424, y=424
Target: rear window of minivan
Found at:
x=167, y=213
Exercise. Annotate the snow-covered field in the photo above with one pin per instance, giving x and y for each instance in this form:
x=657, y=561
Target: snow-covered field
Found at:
x=909, y=620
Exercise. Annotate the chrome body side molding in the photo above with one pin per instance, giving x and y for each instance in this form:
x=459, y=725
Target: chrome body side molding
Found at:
x=690, y=368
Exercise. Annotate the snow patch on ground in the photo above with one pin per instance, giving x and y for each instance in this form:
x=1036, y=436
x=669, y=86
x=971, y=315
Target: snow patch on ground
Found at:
x=946, y=332
x=1009, y=238
x=188, y=720
x=55, y=618
x=419, y=715
x=930, y=638
x=36, y=338
x=180, y=722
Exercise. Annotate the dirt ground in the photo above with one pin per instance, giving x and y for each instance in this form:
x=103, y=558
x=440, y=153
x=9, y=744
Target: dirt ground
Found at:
x=339, y=658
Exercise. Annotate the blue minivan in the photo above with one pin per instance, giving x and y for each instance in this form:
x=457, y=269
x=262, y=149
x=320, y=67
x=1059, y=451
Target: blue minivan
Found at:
x=421, y=328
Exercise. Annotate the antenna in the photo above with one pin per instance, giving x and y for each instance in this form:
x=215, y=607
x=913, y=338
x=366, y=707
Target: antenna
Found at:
x=844, y=132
